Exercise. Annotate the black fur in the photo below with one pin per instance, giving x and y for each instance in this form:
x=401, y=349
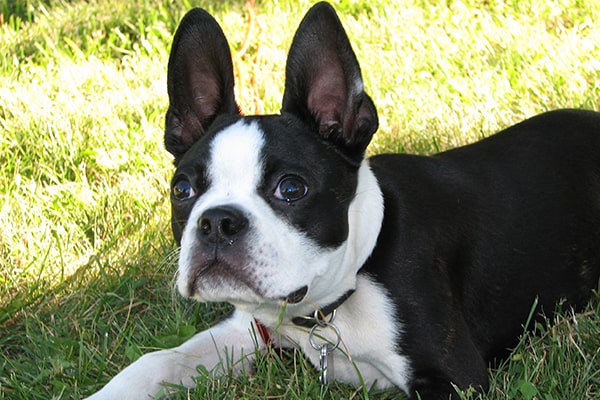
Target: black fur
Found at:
x=480, y=232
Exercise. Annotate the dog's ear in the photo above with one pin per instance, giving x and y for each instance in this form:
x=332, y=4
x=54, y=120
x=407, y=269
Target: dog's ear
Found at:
x=199, y=81
x=324, y=85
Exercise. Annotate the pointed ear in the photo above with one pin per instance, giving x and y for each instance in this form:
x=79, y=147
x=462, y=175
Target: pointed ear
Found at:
x=199, y=81
x=324, y=85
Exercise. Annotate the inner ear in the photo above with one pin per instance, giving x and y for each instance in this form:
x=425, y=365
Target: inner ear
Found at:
x=324, y=84
x=199, y=81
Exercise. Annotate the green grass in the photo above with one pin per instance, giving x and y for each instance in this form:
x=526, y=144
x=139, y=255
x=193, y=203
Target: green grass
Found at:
x=86, y=255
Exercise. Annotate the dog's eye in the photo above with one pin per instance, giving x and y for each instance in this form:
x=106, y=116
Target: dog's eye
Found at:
x=290, y=188
x=183, y=190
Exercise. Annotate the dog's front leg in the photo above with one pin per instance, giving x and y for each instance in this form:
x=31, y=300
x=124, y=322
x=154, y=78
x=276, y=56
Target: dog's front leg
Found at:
x=228, y=345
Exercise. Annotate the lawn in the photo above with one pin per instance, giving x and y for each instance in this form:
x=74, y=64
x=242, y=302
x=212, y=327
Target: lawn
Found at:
x=86, y=255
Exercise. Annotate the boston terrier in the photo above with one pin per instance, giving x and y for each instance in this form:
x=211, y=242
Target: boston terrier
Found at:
x=404, y=270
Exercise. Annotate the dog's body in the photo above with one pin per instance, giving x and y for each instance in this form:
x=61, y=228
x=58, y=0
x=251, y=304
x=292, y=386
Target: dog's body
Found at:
x=433, y=264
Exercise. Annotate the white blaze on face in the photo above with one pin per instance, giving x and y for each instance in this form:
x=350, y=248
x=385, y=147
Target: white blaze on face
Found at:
x=234, y=171
x=235, y=168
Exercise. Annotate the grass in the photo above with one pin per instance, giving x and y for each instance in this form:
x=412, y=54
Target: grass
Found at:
x=86, y=256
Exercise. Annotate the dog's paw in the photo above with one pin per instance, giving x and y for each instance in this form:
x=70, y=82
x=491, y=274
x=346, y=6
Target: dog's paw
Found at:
x=146, y=377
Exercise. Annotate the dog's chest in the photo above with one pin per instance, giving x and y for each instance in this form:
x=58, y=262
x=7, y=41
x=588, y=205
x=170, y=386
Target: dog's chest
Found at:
x=370, y=336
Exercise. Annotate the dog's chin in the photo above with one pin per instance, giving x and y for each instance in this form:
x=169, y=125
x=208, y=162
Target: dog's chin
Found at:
x=218, y=281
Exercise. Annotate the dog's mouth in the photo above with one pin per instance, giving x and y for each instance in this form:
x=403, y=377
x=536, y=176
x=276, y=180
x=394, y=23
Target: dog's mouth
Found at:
x=296, y=296
x=219, y=273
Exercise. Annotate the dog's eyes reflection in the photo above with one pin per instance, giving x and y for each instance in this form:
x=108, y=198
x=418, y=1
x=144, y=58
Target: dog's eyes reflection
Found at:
x=182, y=190
x=290, y=188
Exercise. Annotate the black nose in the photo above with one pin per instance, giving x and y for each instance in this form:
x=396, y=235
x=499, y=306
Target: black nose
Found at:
x=222, y=224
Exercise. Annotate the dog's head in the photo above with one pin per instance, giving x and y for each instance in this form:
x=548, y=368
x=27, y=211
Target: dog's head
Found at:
x=276, y=208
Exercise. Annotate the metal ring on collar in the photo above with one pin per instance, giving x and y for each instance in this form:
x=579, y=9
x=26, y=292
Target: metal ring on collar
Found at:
x=331, y=346
x=320, y=321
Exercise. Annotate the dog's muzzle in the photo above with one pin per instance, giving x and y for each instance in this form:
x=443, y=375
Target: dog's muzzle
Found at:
x=221, y=256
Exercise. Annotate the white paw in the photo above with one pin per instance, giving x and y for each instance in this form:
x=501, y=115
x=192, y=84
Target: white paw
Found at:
x=144, y=378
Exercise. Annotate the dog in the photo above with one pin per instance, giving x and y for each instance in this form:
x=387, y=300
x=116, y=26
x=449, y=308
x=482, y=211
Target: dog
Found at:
x=407, y=271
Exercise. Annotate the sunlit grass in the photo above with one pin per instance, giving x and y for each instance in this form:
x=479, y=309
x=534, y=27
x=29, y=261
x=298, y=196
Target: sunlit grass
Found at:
x=86, y=255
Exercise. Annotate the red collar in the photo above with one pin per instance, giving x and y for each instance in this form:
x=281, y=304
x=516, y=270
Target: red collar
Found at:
x=263, y=332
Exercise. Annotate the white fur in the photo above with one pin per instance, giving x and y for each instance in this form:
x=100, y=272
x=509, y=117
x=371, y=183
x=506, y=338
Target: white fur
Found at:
x=281, y=259
x=225, y=346
x=370, y=336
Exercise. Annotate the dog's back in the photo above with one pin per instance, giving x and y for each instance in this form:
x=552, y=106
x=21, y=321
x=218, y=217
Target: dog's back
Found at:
x=508, y=222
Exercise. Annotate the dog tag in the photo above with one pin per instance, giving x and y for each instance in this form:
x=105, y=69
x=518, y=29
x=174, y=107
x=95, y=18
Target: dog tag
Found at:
x=325, y=350
x=325, y=364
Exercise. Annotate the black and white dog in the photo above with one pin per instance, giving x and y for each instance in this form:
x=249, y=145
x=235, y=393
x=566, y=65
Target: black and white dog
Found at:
x=424, y=269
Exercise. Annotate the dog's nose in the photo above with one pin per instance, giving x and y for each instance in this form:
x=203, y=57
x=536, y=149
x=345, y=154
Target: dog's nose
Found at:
x=222, y=224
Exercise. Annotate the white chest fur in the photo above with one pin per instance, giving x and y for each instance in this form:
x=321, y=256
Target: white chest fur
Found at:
x=370, y=334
